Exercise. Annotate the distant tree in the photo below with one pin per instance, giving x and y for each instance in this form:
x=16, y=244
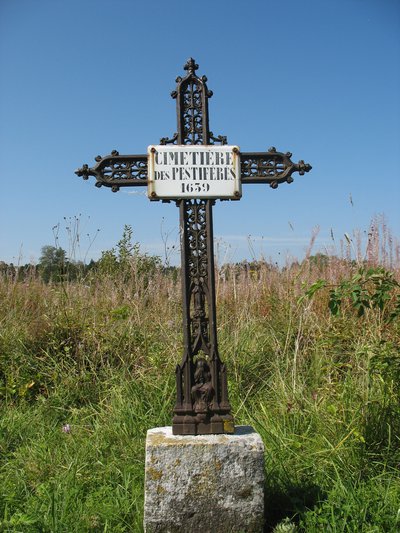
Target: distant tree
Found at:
x=52, y=263
x=26, y=271
x=18, y=273
x=3, y=267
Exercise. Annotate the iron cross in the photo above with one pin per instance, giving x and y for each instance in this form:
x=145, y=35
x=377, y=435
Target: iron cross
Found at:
x=202, y=404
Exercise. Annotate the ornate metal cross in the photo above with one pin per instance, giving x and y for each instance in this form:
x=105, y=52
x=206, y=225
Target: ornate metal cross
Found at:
x=202, y=404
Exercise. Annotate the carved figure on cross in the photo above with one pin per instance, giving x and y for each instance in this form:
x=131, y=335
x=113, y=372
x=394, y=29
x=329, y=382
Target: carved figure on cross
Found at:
x=202, y=404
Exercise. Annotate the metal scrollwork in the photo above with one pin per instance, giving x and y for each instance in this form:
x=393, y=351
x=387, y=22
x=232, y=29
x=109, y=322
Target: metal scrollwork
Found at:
x=166, y=140
x=192, y=113
x=192, y=95
x=220, y=139
x=202, y=405
x=117, y=171
x=270, y=167
x=196, y=232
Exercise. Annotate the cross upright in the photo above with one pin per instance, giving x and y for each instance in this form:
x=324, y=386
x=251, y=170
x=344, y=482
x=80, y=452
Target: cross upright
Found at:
x=202, y=404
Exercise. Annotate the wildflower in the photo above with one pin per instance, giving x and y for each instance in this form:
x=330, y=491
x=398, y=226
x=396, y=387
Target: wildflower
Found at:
x=66, y=428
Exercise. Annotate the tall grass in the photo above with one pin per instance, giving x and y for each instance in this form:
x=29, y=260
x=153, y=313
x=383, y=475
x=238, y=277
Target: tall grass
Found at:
x=88, y=366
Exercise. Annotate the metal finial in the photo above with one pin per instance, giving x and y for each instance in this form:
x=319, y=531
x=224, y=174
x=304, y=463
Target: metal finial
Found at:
x=191, y=65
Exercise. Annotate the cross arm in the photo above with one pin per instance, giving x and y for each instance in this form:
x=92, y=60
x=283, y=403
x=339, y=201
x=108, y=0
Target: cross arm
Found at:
x=117, y=171
x=270, y=167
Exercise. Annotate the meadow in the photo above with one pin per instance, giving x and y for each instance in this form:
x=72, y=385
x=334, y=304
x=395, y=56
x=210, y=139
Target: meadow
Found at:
x=313, y=354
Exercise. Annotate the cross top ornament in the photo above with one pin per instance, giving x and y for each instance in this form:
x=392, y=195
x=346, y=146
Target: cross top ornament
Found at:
x=194, y=168
x=191, y=66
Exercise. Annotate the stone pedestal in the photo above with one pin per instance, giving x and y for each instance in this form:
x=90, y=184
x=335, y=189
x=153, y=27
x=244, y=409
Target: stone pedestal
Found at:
x=204, y=483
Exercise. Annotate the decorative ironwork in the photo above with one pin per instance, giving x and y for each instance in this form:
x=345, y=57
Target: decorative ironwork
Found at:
x=172, y=140
x=270, y=167
x=117, y=171
x=221, y=139
x=196, y=232
x=192, y=97
x=202, y=405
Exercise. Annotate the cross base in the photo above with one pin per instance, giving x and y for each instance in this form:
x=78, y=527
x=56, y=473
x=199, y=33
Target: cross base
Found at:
x=202, y=424
x=207, y=484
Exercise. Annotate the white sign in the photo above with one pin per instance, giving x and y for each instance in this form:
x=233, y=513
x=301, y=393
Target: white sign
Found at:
x=194, y=172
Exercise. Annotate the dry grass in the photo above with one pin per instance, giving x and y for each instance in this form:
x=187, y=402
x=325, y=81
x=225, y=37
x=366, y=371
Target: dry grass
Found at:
x=99, y=354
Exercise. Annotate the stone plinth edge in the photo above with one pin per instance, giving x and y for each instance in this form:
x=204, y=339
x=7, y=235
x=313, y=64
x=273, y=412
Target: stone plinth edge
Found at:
x=204, y=483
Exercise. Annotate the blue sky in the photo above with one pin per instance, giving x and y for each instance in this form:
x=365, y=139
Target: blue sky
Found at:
x=83, y=77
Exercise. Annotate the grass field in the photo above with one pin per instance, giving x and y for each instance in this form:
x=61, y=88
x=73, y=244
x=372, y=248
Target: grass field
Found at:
x=87, y=367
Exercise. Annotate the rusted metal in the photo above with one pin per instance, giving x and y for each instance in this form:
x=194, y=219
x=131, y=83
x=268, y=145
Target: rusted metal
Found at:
x=202, y=404
x=270, y=167
x=117, y=171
